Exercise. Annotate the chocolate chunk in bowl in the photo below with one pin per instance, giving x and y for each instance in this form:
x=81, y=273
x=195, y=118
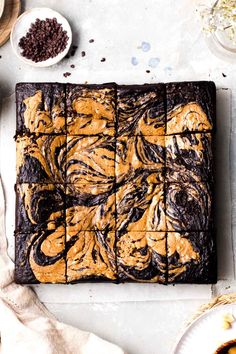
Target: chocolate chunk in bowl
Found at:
x=41, y=37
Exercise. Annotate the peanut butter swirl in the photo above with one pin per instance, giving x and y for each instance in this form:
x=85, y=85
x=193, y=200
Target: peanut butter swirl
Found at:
x=41, y=159
x=141, y=256
x=188, y=207
x=140, y=110
x=90, y=110
x=189, y=158
x=40, y=108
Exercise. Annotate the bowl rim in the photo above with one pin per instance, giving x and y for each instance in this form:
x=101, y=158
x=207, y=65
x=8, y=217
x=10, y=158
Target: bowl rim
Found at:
x=2, y=6
x=56, y=59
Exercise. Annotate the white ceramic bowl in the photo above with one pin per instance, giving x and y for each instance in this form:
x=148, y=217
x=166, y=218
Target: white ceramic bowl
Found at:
x=22, y=26
x=2, y=4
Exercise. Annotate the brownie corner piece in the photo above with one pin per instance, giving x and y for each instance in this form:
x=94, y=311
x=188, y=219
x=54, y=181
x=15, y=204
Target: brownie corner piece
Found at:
x=191, y=107
x=40, y=108
x=40, y=257
x=91, y=109
x=192, y=257
x=141, y=110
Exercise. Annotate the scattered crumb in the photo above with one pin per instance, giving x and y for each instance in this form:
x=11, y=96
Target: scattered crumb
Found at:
x=224, y=75
x=103, y=59
x=72, y=66
x=228, y=320
x=147, y=71
x=86, y=82
x=83, y=53
x=227, y=287
x=66, y=74
x=0, y=57
x=91, y=40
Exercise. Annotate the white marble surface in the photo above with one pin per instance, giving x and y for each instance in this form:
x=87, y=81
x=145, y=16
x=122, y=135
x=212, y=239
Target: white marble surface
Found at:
x=180, y=53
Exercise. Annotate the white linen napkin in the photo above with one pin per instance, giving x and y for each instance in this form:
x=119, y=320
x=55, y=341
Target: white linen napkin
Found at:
x=26, y=326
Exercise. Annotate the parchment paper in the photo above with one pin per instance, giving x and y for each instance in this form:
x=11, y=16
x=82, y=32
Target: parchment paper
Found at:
x=104, y=292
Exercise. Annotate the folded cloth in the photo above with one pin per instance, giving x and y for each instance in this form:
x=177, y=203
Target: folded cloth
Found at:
x=26, y=326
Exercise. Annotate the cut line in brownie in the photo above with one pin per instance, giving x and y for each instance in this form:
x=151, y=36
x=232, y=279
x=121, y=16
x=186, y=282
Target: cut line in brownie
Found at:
x=40, y=207
x=192, y=257
x=142, y=256
x=190, y=107
x=141, y=110
x=40, y=257
x=40, y=108
x=91, y=256
x=189, y=158
x=91, y=109
x=41, y=159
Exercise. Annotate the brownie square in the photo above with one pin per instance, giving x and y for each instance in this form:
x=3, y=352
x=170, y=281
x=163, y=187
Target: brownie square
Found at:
x=141, y=110
x=188, y=206
x=91, y=255
x=138, y=155
x=189, y=158
x=91, y=160
x=40, y=108
x=40, y=257
x=140, y=206
x=39, y=207
x=91, y=109
x=89, y=207
x=142, y=256
x=192, y=257
x=41, y=159
x=191, y=107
